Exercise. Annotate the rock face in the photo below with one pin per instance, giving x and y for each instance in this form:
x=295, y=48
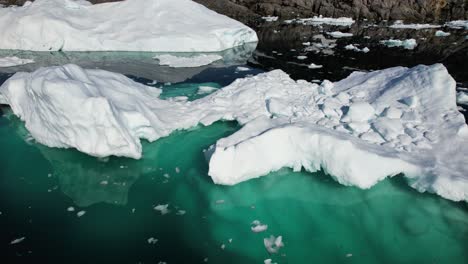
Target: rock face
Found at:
x=408, y=10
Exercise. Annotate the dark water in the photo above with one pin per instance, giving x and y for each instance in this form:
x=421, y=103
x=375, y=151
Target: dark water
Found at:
x=320, y=221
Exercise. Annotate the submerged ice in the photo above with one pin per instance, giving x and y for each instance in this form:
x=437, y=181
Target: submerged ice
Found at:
x=360, y=130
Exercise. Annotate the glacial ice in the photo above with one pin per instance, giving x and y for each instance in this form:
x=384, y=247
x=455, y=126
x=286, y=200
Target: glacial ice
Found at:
x=360, y=130
x=14, y=61
x=130, y=25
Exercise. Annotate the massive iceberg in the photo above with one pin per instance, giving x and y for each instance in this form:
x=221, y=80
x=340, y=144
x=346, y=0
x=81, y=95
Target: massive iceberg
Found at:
x=131, y=25
x=360, y=130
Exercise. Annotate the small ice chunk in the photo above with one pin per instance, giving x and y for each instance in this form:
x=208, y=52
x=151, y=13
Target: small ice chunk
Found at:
x=359, y=112
x=372, y=137
x=440, y=33
x=71, y=209
x=270, y=18
x=349, y=255
x=301, y=57
x=177, y=170
x=241, y=69
x=219, y=201
x=104, y=182
x=392, y=112
x=408, y=44
x=258, y=227
x=163, y=208
x=17, y=240
x=206, y=89
x=273, y=244
x=152, y=240
x=338, y=34
x=359, y=127
x=223, y=246
x=180, y=212
x=388, y=128
x=81, y=213
x=314, y=66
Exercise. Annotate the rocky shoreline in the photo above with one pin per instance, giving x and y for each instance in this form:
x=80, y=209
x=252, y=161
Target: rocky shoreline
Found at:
x=374, y=10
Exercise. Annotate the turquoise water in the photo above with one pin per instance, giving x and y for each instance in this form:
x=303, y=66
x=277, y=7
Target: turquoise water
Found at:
x=320, y=221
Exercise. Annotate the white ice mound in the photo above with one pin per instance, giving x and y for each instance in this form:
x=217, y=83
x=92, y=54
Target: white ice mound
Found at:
x=360, y=130
x=130, y=25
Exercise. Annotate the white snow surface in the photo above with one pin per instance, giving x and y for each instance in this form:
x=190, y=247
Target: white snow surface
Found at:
x=11, y=61
x=408, y=44
x=130, y=25
x=360, y=130
x=187, y=62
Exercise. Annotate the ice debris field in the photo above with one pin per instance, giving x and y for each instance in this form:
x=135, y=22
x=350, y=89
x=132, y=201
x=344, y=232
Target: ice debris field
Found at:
x=130, y=25
x=360, y=130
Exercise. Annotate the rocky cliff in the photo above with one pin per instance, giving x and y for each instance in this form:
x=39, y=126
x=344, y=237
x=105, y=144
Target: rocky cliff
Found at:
x=408, y=10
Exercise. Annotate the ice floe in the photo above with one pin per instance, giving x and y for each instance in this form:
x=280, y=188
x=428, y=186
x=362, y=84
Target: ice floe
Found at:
x=314, y=66
x=14, y=61
x=258, y=227
x=273, y=244
x=360, y=130
x=130, y=25
x=355, y=48
x=440, y=33
x=400, y=25
x=462, y=98
x=408, y=44
x=320, y=20
x=17, y=240
x=339, y=34
x=457, y=24
x=270, y=18
x=182, y=62
x=162, y=208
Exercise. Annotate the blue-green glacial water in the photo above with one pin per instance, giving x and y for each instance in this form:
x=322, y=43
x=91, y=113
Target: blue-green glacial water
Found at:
x=319, y=220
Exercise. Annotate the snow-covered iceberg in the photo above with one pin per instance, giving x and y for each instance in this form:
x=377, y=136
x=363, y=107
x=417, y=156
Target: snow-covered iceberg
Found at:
x=130, y=25
x=360, y=130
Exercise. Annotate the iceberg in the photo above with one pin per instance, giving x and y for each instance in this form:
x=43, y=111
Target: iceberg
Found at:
x=130, y=25
x=360, y=130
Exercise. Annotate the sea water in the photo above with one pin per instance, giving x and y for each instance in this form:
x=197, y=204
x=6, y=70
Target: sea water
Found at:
x=73, y=208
